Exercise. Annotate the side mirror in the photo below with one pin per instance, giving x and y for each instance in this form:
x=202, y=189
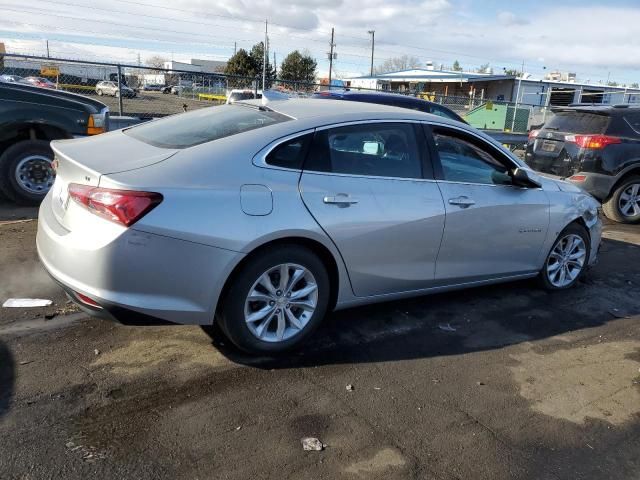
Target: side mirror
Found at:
x=525, y=178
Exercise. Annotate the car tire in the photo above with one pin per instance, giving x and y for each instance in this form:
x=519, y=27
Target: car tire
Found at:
x=30, y=157
x=100, y=93
x=266, y=336
x=568, y=259
x=622, y=195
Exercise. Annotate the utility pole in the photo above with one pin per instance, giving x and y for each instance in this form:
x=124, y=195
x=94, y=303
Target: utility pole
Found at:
x=264, y=59
x=515, y=110
x=48, y=49
x=275, y=65
x=235, y=47
x=331, y=57
x=373, y=44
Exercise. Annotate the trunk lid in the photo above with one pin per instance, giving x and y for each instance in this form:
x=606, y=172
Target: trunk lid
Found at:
x=85, y=160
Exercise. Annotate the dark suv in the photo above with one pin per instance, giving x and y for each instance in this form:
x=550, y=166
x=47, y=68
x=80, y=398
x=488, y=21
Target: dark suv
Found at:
x=391, y=99
x=596, y=147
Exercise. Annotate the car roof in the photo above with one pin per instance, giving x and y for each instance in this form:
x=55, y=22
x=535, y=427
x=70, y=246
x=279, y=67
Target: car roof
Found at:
x=602, y=109
x=361, y=94
x=313, y=112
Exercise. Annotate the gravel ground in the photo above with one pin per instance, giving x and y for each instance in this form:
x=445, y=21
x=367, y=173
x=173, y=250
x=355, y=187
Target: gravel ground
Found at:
x=525, y=385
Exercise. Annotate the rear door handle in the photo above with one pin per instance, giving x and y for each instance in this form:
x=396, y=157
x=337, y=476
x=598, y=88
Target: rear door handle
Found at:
x=341, y=199
x=462, y=202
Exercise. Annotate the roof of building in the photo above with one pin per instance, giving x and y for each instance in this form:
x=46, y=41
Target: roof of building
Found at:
x=435, y=75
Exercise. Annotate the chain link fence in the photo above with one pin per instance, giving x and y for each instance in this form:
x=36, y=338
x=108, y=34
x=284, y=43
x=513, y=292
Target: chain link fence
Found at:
x=147, y=92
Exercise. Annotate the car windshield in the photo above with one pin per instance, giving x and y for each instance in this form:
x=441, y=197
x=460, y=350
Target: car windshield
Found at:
x=205, y=125
x=578, y=122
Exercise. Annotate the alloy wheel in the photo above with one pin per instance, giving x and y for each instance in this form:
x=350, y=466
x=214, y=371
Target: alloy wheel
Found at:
x=281, y=302
x=566, y=260
x=629, y=202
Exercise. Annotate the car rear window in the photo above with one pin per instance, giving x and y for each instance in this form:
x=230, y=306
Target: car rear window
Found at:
x=578, y=122
x=204, y=125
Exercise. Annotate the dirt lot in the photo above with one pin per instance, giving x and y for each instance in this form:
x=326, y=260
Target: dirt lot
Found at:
x=152, y=104
x=524, y=385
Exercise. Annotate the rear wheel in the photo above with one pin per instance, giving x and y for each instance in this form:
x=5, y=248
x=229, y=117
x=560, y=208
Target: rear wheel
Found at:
x=624, y=203
x=567, y=260
x=276, y=300
x=26, y=174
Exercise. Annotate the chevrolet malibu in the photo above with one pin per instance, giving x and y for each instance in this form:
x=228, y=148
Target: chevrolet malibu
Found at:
x=264, y=216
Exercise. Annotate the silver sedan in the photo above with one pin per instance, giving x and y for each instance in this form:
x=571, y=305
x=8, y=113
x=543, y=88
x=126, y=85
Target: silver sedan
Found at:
x=264, y=216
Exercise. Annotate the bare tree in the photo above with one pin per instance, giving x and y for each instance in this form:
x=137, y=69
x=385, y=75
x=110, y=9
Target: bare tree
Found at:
x=156, y=61
x=396, y=64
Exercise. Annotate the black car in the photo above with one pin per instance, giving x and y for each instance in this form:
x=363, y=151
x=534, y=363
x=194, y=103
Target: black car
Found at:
x=30, y=117
x=596, y=147
x=391, y=99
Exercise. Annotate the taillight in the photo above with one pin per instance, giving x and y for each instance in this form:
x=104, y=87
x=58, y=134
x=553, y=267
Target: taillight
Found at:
x=578, y=178
x=592, y=141
x=125, y=207
x=87, y=301
x=533, y=134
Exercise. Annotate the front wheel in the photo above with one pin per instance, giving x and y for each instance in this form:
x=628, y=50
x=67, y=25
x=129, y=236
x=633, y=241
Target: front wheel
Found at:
x=567, y=260
x=100, y=93
x=623, y=205
x=276, y=300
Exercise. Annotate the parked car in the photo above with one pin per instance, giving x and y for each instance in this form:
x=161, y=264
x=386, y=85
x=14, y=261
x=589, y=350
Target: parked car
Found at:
x=167, y=88
x=30, y=118
x=10, y=78
x=111, y=88
x=152, y=87
x=238, y=94
x=596, y=148
x=391, y=99
x=39, y=82
x=268, y=216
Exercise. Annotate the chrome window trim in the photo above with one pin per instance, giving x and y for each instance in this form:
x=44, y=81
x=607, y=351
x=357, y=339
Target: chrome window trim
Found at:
x=260, y=158
x=353, y=175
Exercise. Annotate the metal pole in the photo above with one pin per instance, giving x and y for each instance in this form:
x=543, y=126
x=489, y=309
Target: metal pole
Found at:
x=48, y=49
x=373, y=44
x=119, y=90
x=264, y=59
x=515, y=110
x=546, y=105
x=331, y=58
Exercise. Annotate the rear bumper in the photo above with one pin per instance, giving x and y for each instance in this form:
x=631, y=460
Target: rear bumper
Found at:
x=596, y=184
x=136, y=277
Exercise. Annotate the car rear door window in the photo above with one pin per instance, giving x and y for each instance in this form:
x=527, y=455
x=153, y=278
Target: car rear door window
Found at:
x=578, y=122
x=290, y=154
x=464, y=161
x=204, y=125
x=371, y=149
x=633, y=119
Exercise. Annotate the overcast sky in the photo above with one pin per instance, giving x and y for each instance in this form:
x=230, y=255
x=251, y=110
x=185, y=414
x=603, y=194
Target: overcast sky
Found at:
x=593, y=39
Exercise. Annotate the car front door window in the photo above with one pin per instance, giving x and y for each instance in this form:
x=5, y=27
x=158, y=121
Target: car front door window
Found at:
x=462, y=161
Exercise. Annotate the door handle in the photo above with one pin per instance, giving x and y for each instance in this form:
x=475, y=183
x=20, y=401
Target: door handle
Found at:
x=341, y=199
x=462, y=202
